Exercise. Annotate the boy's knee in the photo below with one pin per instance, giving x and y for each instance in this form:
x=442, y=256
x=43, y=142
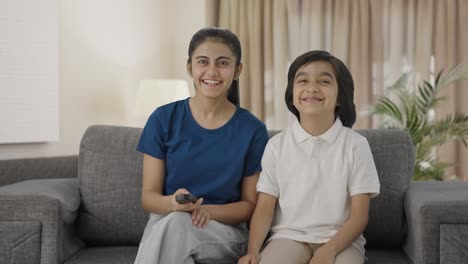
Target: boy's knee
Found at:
x=350, y=255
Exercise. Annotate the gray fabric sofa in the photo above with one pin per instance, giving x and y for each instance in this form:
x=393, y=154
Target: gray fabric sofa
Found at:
x=86, y=209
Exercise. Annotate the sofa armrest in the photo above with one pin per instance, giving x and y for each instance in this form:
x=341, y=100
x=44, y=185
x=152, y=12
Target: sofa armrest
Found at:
x=437, y=218
x=16, y=170
x=36, y=221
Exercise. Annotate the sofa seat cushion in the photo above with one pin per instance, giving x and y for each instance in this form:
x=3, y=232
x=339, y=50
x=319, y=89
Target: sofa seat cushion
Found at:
x=105, y=255
x=386, y=256
x=127, y=255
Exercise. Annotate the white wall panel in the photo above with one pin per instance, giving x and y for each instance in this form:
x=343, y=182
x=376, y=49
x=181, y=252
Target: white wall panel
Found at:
x=29, y=70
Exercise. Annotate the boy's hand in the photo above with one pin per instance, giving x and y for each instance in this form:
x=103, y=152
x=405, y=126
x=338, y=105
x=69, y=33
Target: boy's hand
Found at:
x=250, y=258
x=323, y=256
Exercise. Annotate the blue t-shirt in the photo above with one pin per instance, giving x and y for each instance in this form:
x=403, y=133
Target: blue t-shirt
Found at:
x=209, y=163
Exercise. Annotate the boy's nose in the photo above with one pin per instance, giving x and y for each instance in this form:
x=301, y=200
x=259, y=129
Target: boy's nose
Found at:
x=312, y=88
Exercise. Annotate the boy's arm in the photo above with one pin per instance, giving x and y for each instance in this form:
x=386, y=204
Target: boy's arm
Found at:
x=261, y=222
x=352, y=228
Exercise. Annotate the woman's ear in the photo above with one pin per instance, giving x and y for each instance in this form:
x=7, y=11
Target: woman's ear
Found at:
x=189, y=68
x=238, y=72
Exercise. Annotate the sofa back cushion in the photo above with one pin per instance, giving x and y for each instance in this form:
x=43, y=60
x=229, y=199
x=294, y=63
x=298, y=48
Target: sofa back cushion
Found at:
x=110, y=176
x=394, y=158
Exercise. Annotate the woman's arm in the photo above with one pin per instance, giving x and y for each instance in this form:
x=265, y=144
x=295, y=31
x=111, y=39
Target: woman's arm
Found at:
x=350, y=231
x=235, y=213
x=238, y=212
x=152, y=198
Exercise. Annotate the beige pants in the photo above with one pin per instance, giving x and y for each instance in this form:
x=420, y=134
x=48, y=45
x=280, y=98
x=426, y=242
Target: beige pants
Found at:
x=282, y=250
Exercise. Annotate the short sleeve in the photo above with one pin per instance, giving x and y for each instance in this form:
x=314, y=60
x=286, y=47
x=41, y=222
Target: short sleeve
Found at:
x=268, y=183
x=363, y=178
x=253, y=158
x=152, y=138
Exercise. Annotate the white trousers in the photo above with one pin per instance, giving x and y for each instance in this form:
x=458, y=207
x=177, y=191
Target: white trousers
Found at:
x=173, y=239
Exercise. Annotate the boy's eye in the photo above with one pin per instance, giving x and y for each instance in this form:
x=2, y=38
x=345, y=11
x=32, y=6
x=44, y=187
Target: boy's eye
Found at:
x=301, y=81
x=325, y=82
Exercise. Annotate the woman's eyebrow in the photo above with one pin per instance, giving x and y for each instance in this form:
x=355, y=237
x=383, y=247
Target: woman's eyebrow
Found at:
x=219, y=58
x=223, y=58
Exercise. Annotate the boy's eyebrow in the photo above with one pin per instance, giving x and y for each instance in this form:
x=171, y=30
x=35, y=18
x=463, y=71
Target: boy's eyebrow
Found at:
x=321, y=74
x=327, y=74
x=301, y=74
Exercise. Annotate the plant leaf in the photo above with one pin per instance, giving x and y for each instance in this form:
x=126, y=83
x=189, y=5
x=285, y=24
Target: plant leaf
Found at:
x=408, y=109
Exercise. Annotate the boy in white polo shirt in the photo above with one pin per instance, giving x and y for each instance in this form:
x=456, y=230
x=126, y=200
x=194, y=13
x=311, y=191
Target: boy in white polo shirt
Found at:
x=318, y=175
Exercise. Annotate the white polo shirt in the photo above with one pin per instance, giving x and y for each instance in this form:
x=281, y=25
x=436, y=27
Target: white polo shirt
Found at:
x=314, y=179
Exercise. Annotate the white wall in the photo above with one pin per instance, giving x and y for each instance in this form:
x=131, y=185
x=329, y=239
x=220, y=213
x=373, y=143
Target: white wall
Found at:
x=106, y=47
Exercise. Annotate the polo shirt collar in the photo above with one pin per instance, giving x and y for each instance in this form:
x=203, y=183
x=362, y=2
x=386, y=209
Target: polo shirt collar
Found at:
x=300, y=135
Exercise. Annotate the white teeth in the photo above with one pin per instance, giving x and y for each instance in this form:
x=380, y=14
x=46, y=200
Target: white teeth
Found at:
x=311, y=99
x=211, y=82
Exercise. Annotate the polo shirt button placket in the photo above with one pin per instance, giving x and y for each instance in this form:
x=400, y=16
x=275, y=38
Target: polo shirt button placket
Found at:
x=313, y=147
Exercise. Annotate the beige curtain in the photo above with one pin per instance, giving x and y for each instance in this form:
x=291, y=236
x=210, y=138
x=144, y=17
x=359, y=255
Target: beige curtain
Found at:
x=450, y=42
x=377, y=39
x=273, y=33
x=343, y=28
x=261, y=28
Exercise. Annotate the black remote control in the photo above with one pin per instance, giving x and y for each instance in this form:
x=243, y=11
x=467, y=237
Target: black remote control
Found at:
x=186, y=198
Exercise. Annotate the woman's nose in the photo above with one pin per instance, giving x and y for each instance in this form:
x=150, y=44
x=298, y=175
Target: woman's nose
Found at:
x=212, y=69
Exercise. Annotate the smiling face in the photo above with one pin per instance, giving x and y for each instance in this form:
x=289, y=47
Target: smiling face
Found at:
x=213, y=68
x=315, y=90
x=319, y=63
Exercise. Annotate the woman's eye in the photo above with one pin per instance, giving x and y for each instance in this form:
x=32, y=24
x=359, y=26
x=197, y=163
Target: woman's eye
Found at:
x=224, y=63
x=202, y=62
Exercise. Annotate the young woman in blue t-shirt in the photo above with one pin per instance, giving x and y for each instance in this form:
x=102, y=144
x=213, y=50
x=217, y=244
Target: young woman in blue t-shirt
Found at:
x=208, y=146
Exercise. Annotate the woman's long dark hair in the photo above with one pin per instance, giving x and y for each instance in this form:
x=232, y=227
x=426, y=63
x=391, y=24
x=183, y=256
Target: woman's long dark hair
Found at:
x=345, y=110
x=226, y=37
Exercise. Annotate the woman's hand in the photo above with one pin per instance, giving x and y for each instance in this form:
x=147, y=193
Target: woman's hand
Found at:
x=250, y=258
x=187, y=207
x=323, y=256
x=200, y=217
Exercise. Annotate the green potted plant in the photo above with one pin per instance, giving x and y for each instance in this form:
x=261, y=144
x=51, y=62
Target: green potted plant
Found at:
x=411, y=108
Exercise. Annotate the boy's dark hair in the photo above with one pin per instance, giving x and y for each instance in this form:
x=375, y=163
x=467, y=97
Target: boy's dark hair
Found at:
x=226, y=37
x=345, y=109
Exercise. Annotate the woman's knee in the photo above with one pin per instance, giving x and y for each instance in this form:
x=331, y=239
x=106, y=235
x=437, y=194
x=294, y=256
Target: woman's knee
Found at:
x=173, y=221
x=178, y=220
